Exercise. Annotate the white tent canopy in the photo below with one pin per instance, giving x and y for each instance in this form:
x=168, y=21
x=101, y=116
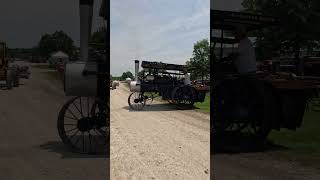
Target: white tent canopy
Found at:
x=57, y=56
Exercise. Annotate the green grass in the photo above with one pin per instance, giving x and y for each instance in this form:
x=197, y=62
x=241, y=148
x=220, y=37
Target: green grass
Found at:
x=204, y=106
x=116, y=78
x=304, y=143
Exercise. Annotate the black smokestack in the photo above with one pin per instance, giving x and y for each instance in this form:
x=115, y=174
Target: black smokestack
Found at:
x=86, y=13
x=136, y=68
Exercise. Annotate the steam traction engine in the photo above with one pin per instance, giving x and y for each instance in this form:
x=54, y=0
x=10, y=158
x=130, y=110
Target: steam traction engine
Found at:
x=83, y=122
x=170, y=81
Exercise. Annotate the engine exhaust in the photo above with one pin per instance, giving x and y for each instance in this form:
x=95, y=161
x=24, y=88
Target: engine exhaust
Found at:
x=86, y=14
x=136, y=62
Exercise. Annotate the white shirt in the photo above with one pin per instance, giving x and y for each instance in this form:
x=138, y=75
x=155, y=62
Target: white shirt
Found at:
x=246, y=60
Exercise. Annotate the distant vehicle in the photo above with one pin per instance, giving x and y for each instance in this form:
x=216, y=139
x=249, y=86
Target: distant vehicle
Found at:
x=7, y=73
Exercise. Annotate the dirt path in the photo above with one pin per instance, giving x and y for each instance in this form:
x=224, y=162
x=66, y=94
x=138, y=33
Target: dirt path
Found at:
x=30, y=148
x=158, y=142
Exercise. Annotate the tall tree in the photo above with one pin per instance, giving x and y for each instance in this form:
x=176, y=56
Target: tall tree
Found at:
x=298, y=28
x=126, y=75
x=98, y=39
x=199, y=64
x=58, y=41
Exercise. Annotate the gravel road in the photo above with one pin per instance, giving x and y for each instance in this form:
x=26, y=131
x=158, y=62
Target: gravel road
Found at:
x=158, y=142
x=30, y=148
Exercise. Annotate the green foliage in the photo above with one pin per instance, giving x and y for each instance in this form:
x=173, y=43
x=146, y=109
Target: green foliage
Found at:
x=116, y=78
x=58, y=41
x=298, y=28
x=21, y=53
x=304, y=143
x=204, y=106
x=199, y=64
x=98, y=39
x=126, y=75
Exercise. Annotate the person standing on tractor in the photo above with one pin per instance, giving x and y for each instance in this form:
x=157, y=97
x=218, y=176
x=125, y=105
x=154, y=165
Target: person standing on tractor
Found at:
x=244, y=59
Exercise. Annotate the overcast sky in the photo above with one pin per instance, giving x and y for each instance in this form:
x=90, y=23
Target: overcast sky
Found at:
x=161, y=30
x=23, y=22
x=156, y=30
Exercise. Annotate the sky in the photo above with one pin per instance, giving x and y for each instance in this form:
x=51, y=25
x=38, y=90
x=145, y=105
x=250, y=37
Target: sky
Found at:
x=22, y=23
x=156, y=30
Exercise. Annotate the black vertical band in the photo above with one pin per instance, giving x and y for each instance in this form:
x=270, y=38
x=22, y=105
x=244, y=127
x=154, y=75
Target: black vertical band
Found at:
x=86, y=2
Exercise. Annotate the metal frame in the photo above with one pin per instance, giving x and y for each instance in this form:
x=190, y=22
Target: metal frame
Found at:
x=98, y=116
x=228, y=21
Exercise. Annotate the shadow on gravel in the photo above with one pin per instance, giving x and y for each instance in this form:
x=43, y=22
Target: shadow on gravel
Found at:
x=232, y=144
x=4, y=86
x=158, y=107
x=66, y=153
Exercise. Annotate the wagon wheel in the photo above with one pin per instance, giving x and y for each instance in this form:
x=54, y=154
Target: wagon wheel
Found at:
x=171, y=101
x=136, y=101
x=240, y=110
x=183, y=97
x=102, y=122
x=80, y=128
x=149, y=99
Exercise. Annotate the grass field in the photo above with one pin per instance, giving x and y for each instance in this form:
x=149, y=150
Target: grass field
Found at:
x=205, y=106
x=116, y=78
x=303, y=144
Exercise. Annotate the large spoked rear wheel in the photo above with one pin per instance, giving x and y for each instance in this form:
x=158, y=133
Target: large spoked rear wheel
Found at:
x=183, y=97
x=137, y=101
x=149, y=98
x=242, y=109
x=81, y=128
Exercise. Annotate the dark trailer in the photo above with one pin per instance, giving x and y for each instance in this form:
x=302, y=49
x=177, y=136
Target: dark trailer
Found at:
x=255, y=104
x=170, y=81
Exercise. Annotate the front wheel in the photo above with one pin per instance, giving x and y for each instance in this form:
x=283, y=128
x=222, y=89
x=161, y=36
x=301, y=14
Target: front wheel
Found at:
x=80, y=128
x=149, y=99
x=183, y=97
x=136, y=101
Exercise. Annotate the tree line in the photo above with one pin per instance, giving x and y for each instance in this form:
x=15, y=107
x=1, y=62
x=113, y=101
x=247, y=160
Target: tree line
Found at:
x=57, y=41
x=298, y=28
x=198, y=65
